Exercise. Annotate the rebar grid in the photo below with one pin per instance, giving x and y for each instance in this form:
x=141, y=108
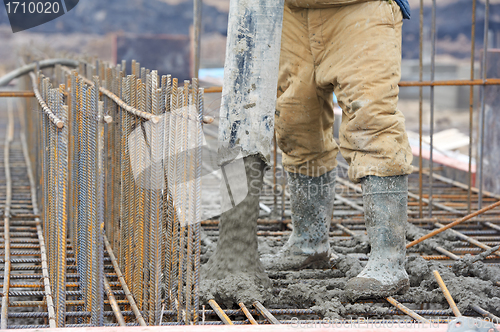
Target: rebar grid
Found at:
x=448, y=201
x=6, y=221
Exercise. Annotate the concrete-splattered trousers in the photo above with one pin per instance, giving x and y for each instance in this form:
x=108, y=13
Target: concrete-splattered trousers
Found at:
x=353, y=50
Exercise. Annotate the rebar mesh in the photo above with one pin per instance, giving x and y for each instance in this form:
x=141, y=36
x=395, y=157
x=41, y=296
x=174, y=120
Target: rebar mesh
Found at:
x=118, y=165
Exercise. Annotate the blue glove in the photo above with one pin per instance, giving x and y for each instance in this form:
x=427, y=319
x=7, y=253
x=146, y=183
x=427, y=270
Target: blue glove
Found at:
x=405, y=8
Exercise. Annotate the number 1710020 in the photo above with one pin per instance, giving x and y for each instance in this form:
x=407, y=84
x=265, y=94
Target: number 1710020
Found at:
x=17, y=7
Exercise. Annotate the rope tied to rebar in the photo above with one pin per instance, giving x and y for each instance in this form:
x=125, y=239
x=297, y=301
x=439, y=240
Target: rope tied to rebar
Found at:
x=55, y=120
x=117, y=100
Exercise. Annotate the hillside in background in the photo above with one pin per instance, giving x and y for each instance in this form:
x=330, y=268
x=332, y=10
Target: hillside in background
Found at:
x=99, y=17
x=131, y=16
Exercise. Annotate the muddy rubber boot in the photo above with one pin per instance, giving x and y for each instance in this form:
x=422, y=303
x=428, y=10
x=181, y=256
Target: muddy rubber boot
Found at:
x=385, y=202
x=312, y=201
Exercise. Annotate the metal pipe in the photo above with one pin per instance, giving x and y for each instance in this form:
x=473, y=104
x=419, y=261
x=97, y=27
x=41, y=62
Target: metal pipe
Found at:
x=99, y=281
x=283, y=194
x=4, y=80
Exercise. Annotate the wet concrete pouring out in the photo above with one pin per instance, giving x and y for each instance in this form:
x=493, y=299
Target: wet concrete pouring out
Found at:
x=471, y=274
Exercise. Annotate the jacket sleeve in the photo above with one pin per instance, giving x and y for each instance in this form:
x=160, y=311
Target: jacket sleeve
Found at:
x=405, y=8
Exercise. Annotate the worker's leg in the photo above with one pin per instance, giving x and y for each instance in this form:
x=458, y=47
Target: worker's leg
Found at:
x=362, y=61
x=363, y=64
x=304, y=113
x=304, y=130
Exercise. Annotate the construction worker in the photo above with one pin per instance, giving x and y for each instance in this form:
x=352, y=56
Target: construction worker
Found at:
x=351, y=48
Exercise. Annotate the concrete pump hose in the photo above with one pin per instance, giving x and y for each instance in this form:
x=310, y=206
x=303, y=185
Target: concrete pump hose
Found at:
x=4, y=80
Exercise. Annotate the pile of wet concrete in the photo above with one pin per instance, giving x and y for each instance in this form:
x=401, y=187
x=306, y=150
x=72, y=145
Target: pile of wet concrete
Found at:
x=470, y=281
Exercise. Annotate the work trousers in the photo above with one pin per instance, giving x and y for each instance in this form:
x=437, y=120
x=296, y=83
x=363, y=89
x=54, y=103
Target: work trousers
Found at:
x=355, y=52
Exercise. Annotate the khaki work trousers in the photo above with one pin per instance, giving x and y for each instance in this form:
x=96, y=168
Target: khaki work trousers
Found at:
x=354, y=51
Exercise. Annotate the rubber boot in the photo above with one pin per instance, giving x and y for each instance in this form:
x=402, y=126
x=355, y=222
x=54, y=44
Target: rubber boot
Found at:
x=312, y=201
x=385, y=202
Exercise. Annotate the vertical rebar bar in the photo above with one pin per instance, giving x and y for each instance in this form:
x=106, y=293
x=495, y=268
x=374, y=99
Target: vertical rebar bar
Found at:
x=471, y=103
x=156, y=141
x=420, y=111
x=173, y=217
x=139, y=254
x=116, y=161
x=126, y=187
x=133, y=199
x=197, y=208
x=82, y=239
x=181, y=196
x=190, y=155
x=168, y=169
x=433, y=71
x=147, y=209
x=73, y=160
x=483, y=105
x=165, y=266
x=97, y=196
x=62, y=204
x=197, y=34
x=98, y=320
